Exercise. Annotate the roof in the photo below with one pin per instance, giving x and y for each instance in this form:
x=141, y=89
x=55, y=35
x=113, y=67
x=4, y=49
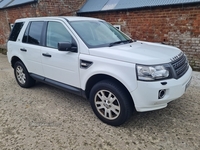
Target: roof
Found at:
x=68, y=18
x=11, y=3
x=107, y=5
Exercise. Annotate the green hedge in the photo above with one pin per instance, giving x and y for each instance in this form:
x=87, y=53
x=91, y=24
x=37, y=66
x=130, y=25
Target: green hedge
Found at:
x=3, y=51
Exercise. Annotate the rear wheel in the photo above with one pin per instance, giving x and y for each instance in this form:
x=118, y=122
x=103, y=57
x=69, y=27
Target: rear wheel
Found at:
x=22, y=76
x=111, y=103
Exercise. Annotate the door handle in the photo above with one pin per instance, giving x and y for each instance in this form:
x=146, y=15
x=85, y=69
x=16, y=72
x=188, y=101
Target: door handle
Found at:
x=46, y=55
x=23, y=49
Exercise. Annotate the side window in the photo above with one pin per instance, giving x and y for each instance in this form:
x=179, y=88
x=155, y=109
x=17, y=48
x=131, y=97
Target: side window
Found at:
x=15, y=31
x=56, y=32
x=33, y=33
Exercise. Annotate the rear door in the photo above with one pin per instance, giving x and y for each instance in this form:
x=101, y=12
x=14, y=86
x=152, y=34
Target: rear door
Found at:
x=31, y=47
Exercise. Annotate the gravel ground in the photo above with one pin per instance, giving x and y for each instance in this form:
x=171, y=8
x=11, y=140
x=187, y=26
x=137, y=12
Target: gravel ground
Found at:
x=45, y=118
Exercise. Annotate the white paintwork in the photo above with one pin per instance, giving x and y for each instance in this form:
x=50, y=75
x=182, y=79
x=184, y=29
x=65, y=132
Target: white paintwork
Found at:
x=118, y=62
x=146, y=94
x=138, y=52
x=62, y=66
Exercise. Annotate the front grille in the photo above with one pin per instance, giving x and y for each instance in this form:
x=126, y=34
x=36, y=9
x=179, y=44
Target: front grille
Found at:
x=180, y=65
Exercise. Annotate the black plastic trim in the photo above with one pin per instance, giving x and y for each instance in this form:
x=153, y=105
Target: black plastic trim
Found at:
x=46, y=55
x=23, y=50
x=63, y=86
x=59, y=85
x=43, y=34
x=84, y=64
x=37, y=77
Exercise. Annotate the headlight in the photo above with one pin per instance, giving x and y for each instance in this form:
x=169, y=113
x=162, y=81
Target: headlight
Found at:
x=152, y=72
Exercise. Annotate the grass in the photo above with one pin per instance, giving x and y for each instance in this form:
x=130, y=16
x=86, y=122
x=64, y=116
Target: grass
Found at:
x=3, y=51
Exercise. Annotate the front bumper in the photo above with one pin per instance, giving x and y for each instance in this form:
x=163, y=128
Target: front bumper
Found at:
x=145, y=97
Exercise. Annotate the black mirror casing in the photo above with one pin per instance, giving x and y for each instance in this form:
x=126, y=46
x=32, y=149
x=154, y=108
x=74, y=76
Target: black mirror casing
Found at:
x=64, y=46
x=67, y=46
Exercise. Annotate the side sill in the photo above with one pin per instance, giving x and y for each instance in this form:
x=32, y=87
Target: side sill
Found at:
x=37, y=77
x=66, y=87
x=59, y=85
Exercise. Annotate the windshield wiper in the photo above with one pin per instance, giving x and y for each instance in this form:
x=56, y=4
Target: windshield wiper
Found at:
x=119, y=42
x=115, y=43
x=128, y=41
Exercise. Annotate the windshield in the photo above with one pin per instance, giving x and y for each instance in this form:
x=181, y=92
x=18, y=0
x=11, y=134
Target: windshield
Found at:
x=99, y=33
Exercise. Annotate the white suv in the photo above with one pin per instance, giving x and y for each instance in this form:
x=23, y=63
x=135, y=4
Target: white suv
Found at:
x=91, y=58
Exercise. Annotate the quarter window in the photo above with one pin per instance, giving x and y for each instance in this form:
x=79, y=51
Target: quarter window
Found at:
x=56, y=32
x=15, y=31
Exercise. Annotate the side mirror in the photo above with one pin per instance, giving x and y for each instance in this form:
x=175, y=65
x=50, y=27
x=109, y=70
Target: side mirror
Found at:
x=67, y=46
x=64, y=46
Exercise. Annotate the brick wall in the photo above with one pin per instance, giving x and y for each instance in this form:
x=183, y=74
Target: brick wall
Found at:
x=42, y=8
x=58, y=7
x=178, y=26
x=8, y=16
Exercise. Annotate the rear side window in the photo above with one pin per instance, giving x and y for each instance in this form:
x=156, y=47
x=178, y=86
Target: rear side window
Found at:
x=33, y=33
x=15, y=31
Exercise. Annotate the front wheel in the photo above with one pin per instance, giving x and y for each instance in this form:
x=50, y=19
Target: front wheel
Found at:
x=22, y=76
x=111, y=103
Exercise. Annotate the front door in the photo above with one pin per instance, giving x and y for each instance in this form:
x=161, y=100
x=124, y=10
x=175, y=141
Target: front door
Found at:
x=60, y=66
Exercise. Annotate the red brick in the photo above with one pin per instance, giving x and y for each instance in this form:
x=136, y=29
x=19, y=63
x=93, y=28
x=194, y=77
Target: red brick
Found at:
x=173, y=25
x=178, y=25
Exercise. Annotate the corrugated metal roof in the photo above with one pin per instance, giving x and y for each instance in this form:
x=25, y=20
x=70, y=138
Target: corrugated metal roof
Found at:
x=124, y=4
x=111, y=4
x=19, y=2
x=90, y=5
x=94, y=5
x=10, y=3
x=3, y=3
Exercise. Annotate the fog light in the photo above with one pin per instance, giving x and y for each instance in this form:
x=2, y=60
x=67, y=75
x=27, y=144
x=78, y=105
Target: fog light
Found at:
x=161, y=93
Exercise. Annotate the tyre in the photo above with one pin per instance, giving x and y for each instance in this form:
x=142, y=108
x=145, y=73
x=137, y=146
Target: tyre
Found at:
x=111, y=103
x=22, y=76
